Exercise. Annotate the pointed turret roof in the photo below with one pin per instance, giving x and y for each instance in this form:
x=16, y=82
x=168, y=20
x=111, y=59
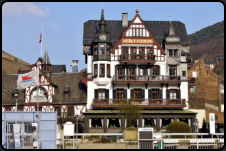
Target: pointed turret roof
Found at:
x=46, y=57
x=102, y=21
x=171, y=30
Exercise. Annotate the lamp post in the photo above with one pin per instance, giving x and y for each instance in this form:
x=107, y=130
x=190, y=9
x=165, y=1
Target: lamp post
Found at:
x=16, y=95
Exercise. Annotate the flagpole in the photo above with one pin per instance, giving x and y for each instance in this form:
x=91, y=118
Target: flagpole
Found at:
x=38, y=109
x=41, y=43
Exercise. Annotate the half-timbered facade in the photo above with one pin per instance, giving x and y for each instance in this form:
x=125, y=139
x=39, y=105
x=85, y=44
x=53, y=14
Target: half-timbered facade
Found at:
x=136, y=59
x=57, y=90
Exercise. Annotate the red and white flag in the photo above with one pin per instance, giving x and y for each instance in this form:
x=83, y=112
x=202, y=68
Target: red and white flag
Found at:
x=40, y=38
x=28, y=79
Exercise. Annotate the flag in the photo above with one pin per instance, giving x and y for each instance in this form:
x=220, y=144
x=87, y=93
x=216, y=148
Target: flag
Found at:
x=40, y=38
x=28, y=79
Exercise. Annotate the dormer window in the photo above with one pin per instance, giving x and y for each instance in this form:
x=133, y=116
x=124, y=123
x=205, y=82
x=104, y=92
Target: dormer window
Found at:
x=66, y=94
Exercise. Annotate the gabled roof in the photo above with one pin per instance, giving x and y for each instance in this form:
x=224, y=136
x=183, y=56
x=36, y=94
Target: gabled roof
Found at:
x=73, y=80
x=159, y=29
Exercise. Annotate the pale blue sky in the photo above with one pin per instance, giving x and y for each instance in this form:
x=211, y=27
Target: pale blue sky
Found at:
x=62, y=24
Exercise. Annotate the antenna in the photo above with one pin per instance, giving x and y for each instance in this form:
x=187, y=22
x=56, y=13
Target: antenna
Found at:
x=170, y=17
x=102, y=5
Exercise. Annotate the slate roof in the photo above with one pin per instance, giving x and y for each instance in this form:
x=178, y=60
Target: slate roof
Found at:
x=144, y=111
x=8, y=83
x=160, y=30
x=77, y=88
x=58, y=68
x=59, y=80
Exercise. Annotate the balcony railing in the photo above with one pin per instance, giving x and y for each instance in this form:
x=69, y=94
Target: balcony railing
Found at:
x=164, y=78
x=87, y=75
x=137, y=57
x=147, y=102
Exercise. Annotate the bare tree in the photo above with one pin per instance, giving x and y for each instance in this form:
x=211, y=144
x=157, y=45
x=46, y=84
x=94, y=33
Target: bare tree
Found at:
x=130, y=110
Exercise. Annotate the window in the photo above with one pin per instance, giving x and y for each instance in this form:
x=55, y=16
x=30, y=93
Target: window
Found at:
x=108, y=52
x=155, y=93
x=102, y=51
x=124, y=52
x=193, y=89
x=194, y=74
x=70, y=111
x=121, y=70
x=134, y=32
x=140, y=32
x=44, y=67
x=141, y=52
x=173, y=70
x=119, y=93
x=149, y=53
x=131, y=70
x=183, y=73
x=143, y=70
x=173, y=94
x=102, y=70
x=137, y=93
x=155, y=70
x=95, y=50
x=108, y=70
x=95, y=69
x=66, y=94
x=133, y=52
x=101, y=94
x=173, y=53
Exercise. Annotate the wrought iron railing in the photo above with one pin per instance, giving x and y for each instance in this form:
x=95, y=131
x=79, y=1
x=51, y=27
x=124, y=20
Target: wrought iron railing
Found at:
x=136, y=57
x=145, y=78
x=148, y=102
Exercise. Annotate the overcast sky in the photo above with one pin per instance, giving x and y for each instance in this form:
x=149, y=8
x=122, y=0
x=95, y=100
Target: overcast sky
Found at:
x=62, y=24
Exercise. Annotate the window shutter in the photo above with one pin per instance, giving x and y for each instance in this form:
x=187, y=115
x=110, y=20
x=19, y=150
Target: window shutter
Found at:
x=132, y=94
x=160, y=93
x=107, y=94
x=149, y=94
x=178, y=94
x=142, y=93
x=167, y=94
x=114, y=94
x=96, y=93
x=125, y=94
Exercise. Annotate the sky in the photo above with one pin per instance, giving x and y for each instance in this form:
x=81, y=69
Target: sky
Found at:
x=62, y=24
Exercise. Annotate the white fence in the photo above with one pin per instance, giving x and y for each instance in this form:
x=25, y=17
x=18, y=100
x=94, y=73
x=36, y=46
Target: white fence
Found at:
x=215, y=141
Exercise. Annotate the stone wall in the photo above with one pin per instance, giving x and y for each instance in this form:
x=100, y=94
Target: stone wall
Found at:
x=207, y=91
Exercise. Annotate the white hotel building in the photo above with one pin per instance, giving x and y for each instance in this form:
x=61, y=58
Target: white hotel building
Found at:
x=142, y=59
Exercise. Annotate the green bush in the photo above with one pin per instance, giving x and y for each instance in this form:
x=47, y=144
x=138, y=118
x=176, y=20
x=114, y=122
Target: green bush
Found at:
x=179, y=127
x=103, y=140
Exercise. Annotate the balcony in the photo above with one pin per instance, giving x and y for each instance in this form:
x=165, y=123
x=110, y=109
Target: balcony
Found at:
x=145, y=103
x=87, y=77
x=137, y=58
x=146, y=79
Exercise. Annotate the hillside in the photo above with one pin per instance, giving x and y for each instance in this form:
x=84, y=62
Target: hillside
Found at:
x=208, y=42
x=11, y=64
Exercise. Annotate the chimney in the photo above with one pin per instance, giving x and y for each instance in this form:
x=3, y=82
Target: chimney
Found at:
x=74, y=65
x=124, y=19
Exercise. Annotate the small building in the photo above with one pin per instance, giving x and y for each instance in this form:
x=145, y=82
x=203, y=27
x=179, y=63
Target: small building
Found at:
x=205, y=96
x=57, y=91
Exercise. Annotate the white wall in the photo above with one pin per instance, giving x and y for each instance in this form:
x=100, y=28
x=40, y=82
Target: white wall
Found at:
x=184, y=92
x=201, y=113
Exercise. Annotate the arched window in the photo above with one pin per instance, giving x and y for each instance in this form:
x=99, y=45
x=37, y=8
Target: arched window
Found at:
x=42, y=95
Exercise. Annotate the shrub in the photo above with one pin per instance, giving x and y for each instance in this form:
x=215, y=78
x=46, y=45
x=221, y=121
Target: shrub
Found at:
x=103, y=140
x=179, y=127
